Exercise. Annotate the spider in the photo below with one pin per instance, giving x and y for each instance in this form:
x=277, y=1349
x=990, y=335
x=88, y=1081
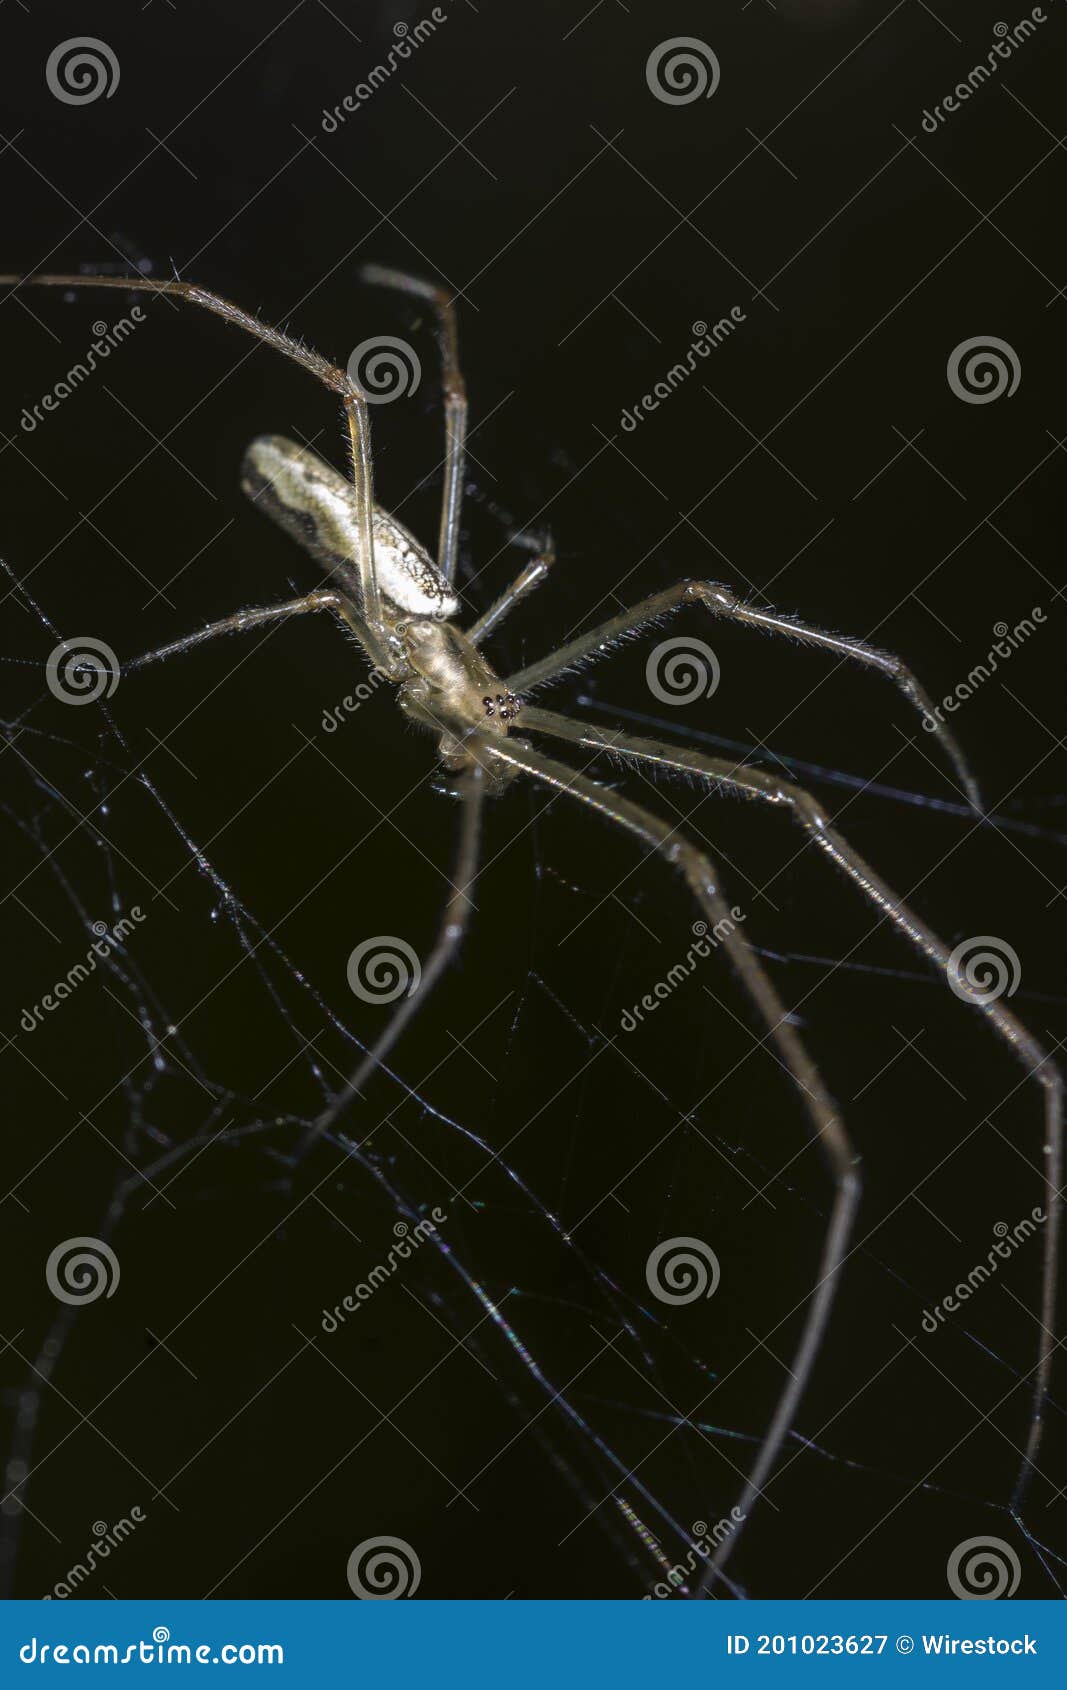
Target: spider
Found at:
x=400, y=604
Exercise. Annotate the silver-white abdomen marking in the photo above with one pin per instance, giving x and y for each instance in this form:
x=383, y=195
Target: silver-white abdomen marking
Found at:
x=315, y=504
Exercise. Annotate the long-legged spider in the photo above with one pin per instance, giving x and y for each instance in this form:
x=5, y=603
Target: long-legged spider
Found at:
x=400, y=606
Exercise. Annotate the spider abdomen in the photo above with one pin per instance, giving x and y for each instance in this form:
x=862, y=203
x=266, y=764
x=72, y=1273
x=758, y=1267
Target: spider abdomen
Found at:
x=319, y=508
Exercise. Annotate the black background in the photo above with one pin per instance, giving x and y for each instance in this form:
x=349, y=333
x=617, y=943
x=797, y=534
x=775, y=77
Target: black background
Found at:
x=520, y=157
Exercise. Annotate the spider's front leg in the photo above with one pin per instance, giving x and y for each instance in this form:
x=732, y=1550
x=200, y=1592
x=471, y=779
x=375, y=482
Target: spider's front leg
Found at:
x=1039, y=1065
x=721, y=601
x=825, y=1122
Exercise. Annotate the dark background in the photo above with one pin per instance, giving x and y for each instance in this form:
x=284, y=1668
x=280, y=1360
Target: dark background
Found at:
x=584, y=226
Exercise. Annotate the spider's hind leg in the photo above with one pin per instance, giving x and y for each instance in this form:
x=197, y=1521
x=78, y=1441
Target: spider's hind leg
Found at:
x=357, y=415
x=241, y=621
x=454, y=392
x=329, y=374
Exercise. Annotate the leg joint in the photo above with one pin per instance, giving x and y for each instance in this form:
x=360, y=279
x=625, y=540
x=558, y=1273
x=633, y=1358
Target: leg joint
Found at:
x=712, y=593
x=806, y=807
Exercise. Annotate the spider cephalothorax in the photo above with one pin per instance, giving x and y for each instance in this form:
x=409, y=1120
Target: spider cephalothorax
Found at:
x=504, y=705
x=453, y=685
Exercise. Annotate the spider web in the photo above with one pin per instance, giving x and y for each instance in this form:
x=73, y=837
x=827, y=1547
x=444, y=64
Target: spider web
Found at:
x=526, y=1381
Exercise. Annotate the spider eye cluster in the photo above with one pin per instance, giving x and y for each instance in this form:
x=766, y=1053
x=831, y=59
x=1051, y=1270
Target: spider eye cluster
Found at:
x=502, y=704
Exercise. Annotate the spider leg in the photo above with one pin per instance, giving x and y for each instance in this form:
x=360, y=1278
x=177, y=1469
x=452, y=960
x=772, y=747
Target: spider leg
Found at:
x=455, y=399
x=805, y=809
x=454, y=924
x=331, y=375
x=243, y=619
x=589, y=647
x=826, y=1124
x=525, y=582
x=363, y=486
